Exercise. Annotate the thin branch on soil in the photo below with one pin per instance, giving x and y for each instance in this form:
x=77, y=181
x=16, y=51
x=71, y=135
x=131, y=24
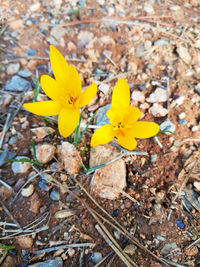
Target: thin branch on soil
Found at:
x=6, y=185
x=47, y=250
x=185, y=181
x=10, y=215
x=124, y=193
x=100, y=262
x=113, y=244
x=158, y=141
x=5, y=128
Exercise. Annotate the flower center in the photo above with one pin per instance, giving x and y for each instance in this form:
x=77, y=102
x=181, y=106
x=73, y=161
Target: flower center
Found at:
x=72, y=100
x=118, y=128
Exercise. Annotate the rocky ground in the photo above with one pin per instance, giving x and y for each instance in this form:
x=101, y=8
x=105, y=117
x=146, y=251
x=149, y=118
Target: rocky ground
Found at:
x=142, y=208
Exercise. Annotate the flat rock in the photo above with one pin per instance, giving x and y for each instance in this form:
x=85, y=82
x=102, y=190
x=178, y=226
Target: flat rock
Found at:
x=25, y=241
x=18, y=84
x=24, y=73
x=13, y=68
x=159, y=95
x=107, y=179
x=57, y=262
x=70, y=157
x=113, y=175
x=168, y=125
x=137, y=96
x=57, y=32
x=42, y=132
x=184, y=54
x=45, y=152
x=20, y=167
x=168, y=248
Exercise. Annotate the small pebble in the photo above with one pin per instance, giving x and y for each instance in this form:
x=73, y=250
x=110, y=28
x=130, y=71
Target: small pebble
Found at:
x=101, y=117
x=182, y=115
x=25, y=241
x=28, y=191
x=13, y=68
x=182, y=122
x=12, y=140
x=20, y=167
x=154, y=158
x=55, y=195
x=45, y=152
x=96, y=257
x=180, y=224
x=56, y=262
x=115, y=213
x=24, y=73
x=117, y=235
x=167, y=125
x=18, y=84
x=30, y=52
x=43, y=185
x=195, y=128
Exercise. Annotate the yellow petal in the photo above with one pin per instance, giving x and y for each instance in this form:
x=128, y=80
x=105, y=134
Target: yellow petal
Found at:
x=103, y=135
x=132, y=115
x=59, y=66
x=43, y=108
x=67, y=121
x=127, y=142
x=144, y=129
x=121, y=94
x=74, y=86
x=54, y=90
x=88, y=94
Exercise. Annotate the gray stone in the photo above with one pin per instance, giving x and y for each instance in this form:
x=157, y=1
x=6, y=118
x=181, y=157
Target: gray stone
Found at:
x=58, y=32
x=55, y=195
x=168, y=248
x=168, y=125
x=161, y=42
x=12, y=140
x=24, y=73
x=18, y=84
x=101, y=117
x=154, y=158
x=96, y=257
x=6, y=154
x=20, y=167
x=56, y=262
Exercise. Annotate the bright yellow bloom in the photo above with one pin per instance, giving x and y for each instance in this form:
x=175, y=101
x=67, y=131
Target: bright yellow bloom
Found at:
x=123, y=121
x=65, y=94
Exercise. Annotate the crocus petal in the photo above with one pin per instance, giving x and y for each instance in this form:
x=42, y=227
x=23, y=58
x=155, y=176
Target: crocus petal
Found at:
x=54, y=90
x=43, y=108
x=59, y=66
x=121, y=94
x=132, y=115
x=88, y=94
x=103, y=135
x=67, y=121
x=127, y=142
x=144, y=129
x=74, y=86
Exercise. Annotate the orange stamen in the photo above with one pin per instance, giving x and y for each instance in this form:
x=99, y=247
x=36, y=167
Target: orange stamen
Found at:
x=119, y=131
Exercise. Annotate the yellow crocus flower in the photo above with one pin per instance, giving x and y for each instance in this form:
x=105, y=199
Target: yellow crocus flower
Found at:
x=124, y=124
x=65, y=94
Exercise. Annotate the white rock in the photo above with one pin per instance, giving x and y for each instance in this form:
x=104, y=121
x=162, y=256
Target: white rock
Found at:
x=104, y=88
x=195, y=128
x=85, y=36
x=45, y=152
x=106, y=39
x=184, y=54
x=28, y=191
x=148, y=8
x=179, y=101
x=138, y=96
x=158, y=111
x=144, y=106
x=42, y=132
x=160, y=95
x=20, y=167
x=34, y=7
x=182, y=115
x=70, y=157
x=197, y=185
